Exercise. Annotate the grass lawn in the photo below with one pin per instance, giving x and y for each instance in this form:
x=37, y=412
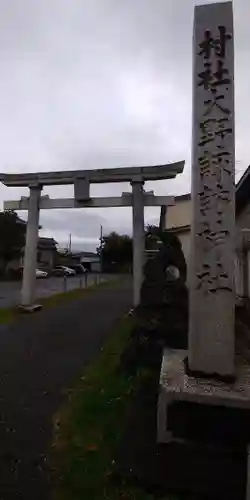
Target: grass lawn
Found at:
x=77, y=293
x=9, y=314
x=89, y=428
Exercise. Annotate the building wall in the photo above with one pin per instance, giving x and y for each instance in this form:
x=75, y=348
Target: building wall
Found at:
x=92, y=263
x=178, y=214
x=242, y=254
x=243, y=220
x=95, y=267
x=46, y=258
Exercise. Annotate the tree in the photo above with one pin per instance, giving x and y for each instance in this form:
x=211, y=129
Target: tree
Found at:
x=116, y=252
x=12, y=236
x=153, y=235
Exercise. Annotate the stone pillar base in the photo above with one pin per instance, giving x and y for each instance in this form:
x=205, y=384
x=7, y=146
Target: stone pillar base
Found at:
x=228, y=379
x=30, y=309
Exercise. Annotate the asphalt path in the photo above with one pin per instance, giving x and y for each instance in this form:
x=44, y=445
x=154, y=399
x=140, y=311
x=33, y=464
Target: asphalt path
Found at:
x=42, y=357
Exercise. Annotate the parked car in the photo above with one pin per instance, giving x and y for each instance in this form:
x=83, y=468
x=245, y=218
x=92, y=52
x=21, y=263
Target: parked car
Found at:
x=41, y=274
x=15, y=273
x=57, y=271
x=18, y=273
x=63, y=271
x=79, y=268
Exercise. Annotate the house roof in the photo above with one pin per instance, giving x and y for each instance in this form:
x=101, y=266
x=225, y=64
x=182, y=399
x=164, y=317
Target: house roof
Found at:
x=184, y=197
x=89, y=254
x=243, y=191
x=83, y=254
x=21, y=221
x=47, y=243
x=178, y=229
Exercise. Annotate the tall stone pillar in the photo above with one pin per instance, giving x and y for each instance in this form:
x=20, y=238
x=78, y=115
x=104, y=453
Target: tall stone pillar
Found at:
x=138, y=239
x=212, y=297
x=30, y=255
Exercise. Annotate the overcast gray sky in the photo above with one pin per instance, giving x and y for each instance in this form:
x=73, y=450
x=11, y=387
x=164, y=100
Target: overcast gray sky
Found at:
x=99, y=84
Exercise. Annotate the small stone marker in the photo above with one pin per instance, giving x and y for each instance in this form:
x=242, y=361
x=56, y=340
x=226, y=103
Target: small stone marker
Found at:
x=212, y=299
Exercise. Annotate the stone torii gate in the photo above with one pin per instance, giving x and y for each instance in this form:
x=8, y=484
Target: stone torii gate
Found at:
x=81, y=179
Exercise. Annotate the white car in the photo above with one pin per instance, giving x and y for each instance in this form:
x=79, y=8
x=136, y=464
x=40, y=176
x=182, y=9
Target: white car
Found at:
x=41, y=274
x=67, y=270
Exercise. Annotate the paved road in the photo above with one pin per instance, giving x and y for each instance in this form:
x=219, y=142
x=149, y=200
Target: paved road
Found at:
x=10, y=290
x=40, y=358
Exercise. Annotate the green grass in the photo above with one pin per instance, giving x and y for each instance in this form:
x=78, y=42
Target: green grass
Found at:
x=89, y=428
x=77, y=293
x=7, y=315
x=10, y=314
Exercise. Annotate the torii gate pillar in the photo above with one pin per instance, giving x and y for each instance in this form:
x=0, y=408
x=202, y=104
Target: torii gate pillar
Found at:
x=30, y=254
x=138, y=239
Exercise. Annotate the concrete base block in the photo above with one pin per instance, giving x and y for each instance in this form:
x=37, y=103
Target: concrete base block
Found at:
x=177, y=386
x=30, y=309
